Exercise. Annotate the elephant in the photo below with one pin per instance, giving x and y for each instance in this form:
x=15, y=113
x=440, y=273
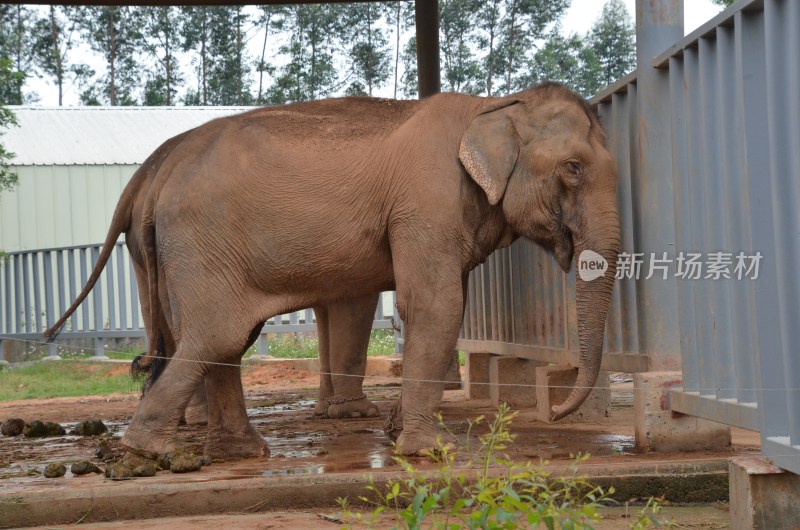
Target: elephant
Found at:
x=332, y=201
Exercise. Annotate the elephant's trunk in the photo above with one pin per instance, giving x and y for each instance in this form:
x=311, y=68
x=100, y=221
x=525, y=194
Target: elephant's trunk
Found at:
x=592, y=301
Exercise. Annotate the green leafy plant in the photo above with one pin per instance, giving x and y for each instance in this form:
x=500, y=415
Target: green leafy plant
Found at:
x=480, y=487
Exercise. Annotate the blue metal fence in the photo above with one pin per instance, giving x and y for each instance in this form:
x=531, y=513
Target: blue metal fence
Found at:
x=706, y=138
x=37, y=286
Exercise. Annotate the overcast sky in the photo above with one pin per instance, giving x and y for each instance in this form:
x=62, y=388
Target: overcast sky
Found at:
x=578, y=19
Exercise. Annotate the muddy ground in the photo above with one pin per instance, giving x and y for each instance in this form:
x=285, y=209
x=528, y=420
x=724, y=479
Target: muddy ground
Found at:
x=280, y=404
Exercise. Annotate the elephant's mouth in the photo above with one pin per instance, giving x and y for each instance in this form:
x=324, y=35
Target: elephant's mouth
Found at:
x=564, y=248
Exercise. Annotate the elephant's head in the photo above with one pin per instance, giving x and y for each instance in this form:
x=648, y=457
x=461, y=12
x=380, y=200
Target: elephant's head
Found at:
x=539, y=155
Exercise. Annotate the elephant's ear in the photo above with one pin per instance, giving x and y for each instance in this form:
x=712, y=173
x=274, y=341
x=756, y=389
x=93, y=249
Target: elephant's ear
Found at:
x=489, y=149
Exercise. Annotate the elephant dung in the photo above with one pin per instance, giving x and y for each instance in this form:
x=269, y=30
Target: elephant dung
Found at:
x=145, y=470
x=89, y=428
x=118, y=471
x=12, y=427
x=84, y=468
x=55, y=470
x=38, y=429
x=185, y=462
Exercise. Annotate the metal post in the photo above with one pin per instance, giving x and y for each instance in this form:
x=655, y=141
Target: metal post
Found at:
x=427, y=23
x=659, y=23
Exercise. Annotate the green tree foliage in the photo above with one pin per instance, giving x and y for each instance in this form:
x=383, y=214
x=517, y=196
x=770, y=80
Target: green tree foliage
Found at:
x=271, y=19
x=16, y=22
x=367, y=45
x=569, y=60
x=461, y=68
x=400, y=16
x=116, y=33
x=217, y=38
x=613, y=41
x=723, y=3
x=8, y=179
x=409, y=86
x=310, y=72
x=162, y=41
x=54, y=37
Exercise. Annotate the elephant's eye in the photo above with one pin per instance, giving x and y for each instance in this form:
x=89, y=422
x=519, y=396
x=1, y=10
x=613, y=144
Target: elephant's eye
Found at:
x=574, y=167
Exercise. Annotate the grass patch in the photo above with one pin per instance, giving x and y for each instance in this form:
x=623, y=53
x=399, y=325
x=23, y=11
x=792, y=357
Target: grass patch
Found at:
x=291, y=346
x=65, y=379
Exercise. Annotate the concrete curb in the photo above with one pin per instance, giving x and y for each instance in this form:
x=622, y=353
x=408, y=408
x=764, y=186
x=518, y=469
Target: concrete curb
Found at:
x=697, y=481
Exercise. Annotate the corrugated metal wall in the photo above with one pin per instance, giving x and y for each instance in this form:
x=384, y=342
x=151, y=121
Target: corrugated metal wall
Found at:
x=58, y=206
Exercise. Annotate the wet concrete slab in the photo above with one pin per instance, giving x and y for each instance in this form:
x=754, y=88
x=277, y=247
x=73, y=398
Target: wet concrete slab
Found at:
x=316, y=460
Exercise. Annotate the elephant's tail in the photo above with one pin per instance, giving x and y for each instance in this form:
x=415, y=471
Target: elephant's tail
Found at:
x=119, y=223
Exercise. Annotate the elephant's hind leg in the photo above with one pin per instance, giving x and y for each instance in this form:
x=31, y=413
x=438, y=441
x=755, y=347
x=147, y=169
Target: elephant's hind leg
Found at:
x=349, y=326
x=325, y=383
x=230, y=434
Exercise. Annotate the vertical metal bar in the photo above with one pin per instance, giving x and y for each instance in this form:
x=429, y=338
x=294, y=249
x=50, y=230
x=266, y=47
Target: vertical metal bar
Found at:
x=19, y=312
x=49, y=305
x=110, y=296
x=8, y=288
x=658, y=25
x=37, y=292
x=62, y=298
x=26, y=290
x=736, y=234
x=683, y=226
x=516, y=292
x=704, y=328
x=784, y=133
x=134, y=296
x=427, y=23
x=721, y=354
x=492, y=287
x=4, y=308
x=85, y=325
x=97, y=294
x=119, y=251
x=379, y=308
x=771, y=404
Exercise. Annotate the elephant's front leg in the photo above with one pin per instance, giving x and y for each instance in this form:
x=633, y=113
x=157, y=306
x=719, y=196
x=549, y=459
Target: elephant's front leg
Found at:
x=431, y=304
x=349, y=326
x=230, y=434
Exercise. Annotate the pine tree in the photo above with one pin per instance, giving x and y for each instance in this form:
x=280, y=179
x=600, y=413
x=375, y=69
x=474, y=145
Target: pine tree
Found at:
x=162, y=32
x=612, y=38
x=115, y=32
x=196, y=35
x=16, y=22
x=53, y=39
x=367, y=47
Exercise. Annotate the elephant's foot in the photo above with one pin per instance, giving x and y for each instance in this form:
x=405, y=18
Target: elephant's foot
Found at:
x=418, y=442
x=321, y=408
x=224, y=445
x=357, y=408
x=147, y=443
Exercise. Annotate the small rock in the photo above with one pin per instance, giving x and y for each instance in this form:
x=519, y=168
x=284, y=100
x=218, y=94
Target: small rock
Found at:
x=89, y=428
x=118, y=472
x=12, y=427
x=54, y=470
x=145, y=470
x=185, y=463
x=84, y=468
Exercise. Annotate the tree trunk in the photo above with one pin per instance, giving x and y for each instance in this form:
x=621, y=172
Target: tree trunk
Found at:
x=112, y=57
x=57, y=55
x=397, y=46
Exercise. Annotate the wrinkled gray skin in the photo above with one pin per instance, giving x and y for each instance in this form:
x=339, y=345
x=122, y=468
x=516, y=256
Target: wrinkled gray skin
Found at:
x=341, y=199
